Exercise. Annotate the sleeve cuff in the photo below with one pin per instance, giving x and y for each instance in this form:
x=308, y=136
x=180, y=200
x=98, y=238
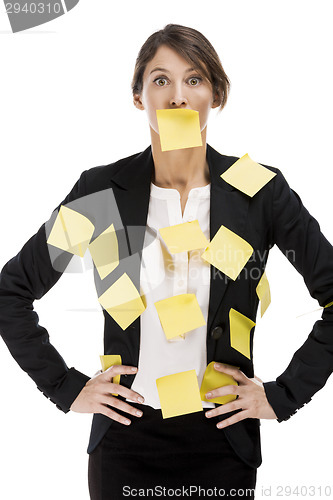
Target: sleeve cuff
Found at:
x=277, y=396
x=68, y=389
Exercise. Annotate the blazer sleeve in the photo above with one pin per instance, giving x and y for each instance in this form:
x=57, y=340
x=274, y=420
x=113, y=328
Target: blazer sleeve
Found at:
x=27, y=277
x=298, y=236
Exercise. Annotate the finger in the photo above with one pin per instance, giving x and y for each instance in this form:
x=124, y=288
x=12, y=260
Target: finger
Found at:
x=257, y=380
x=108, y=412
x=241, y=415
x=226, y=408
x=119, y=370
x=127, y=393
x=122, y=405
x=237, y=374
x=223, y=391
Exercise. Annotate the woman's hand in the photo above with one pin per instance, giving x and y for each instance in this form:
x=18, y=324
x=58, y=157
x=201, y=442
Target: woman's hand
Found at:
x=251, y=399
x=97, y=394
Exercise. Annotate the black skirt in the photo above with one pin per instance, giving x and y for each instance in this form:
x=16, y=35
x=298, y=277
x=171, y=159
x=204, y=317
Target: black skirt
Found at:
x=184, y=456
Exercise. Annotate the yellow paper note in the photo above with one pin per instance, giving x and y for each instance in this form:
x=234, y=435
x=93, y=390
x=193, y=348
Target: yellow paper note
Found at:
x=71, y=231
x=264, y=293
x=184, y=237
x=247, y=175
x=104, y=252
x=213, y=379
x=228, y=252
x=328, y=305
x=179, y=394
x=122, y=301
x=240, y=328
x=178, y=128
x=179, y=314
x=108, y=360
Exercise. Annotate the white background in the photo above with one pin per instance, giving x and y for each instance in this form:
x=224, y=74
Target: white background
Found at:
x=66, y=106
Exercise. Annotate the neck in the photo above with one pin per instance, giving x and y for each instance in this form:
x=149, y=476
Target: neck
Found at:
x=181, y=168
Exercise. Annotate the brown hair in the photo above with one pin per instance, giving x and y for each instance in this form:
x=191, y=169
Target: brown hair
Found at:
x=194, y=48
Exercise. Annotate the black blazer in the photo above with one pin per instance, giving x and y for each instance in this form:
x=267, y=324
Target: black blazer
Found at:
x=275, y=215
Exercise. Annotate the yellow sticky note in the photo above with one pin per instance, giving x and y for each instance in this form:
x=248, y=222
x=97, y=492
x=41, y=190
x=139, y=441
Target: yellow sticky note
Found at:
x=328, y=305
x=108, y=360
x=179, y=314
x=122, y=301
x=228, y=252
x=71, y=231
x=179, y=394
x=104, y=252
x=264, y=293
x=247, y=175
x=213, y=379
x=184, y=237
x=178, y=128
x=240, y=328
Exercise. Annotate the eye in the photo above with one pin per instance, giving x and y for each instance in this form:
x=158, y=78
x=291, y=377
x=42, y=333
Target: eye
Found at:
x=161, y=82
x=194, y=80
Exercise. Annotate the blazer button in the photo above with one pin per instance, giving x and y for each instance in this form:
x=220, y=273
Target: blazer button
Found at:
x=216, y=332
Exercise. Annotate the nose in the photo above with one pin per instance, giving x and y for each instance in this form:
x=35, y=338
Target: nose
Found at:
x=177, y=102
x=178, y=99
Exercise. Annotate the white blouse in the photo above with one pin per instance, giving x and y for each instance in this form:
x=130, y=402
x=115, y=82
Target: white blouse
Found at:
x=164, y=275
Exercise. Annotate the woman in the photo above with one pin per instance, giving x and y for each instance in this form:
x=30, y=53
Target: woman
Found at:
x=218, y=449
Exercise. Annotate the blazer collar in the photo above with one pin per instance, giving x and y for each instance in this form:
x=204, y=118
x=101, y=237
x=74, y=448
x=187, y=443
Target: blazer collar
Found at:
x=137, y=171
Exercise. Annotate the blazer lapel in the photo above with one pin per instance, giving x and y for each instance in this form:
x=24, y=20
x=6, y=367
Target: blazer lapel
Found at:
x=228, y=207
x=131, y=187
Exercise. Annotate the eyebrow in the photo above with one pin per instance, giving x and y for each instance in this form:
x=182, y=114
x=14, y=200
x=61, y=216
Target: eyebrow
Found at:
x=167, y=71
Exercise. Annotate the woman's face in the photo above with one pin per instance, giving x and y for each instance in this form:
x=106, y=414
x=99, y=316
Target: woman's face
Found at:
x=170, y=82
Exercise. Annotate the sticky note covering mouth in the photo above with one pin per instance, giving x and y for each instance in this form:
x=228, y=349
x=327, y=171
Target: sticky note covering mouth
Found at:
x=178, y=128
x=240, y=329
x=179, y=314
x=247, y=175
x=264, y=294
x=228, y=252
x=184, y=237
x=213, y=379
x=122, y=301
x=179, y=394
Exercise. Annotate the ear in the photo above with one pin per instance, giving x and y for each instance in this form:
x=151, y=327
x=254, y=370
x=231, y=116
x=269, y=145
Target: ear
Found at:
x=216, y=100
x=138, y=101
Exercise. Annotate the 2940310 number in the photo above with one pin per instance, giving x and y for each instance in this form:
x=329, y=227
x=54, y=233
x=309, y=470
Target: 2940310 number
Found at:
x=303, y=491
x=33, y=8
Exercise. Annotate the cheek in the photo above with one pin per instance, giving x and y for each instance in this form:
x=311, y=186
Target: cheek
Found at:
x=150, y=109
x=203, y=103
x=153, y=121
x=204, y=110
x=150, y=106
